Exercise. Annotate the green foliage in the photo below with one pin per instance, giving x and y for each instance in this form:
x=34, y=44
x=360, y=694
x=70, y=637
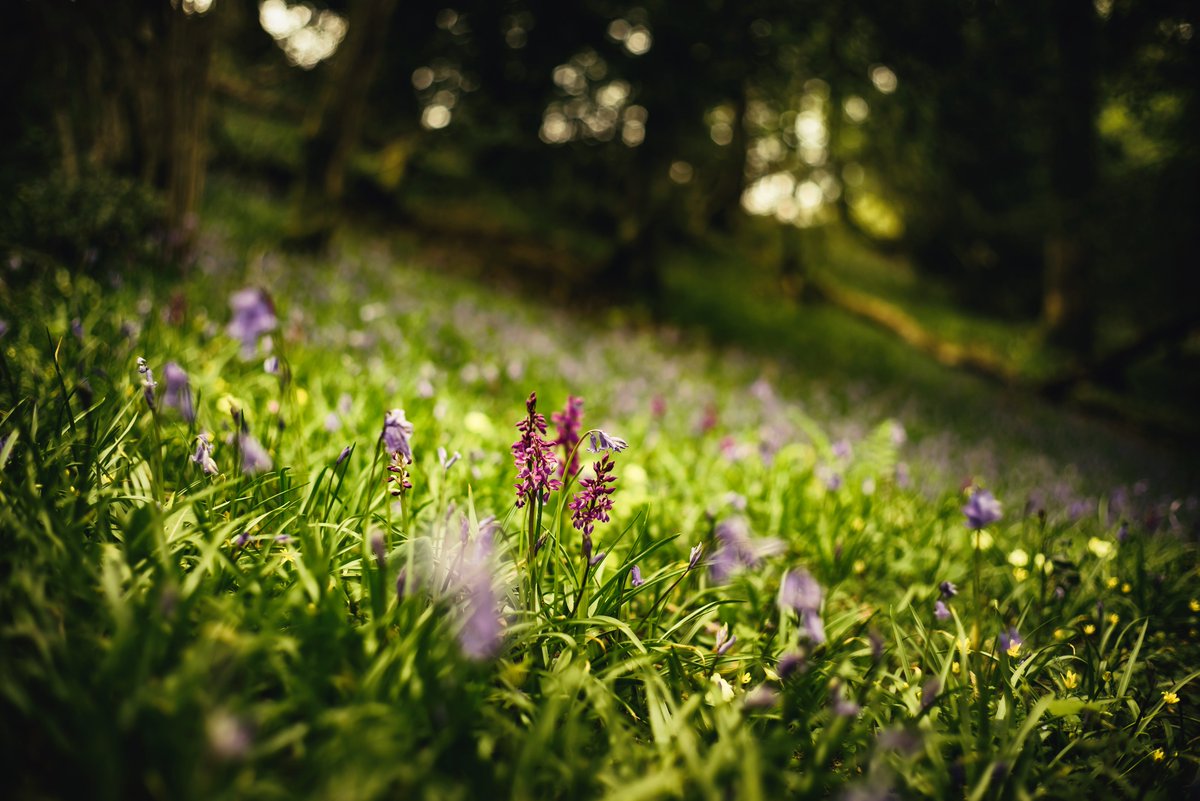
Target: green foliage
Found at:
x=170, y=634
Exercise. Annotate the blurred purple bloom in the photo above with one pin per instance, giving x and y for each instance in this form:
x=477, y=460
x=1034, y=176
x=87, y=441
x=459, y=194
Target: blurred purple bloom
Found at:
x=255, y=458
x=271, y=365
x=1010, y=641
x=982, y=509
x=379, y=549
x=843, y=706
x=929, y=693
x=831, y=478
x=241, y=539
x=602, y=441
x=695, y=554
x=568, y=423
x=148, y=382
x=941, y=611
x=283, y=538
x=396, y=433
x=253, y=316
x=902, y=476
x=842, y=450
x=737, y=549
x=178, y=394
x=635, y=577
x=344, y=455
x=447, y=462
x=948, y=589
x=876, y=640
x=1123, y=532
x=77, y=329
x=229, y=736
x=723, y=642
x=761, y=697
x=790, y=663
x=203, y=454
x=904, y=741
x=597, y=559
x=534, y=457
x=332, y=422
x=800, y=592
x=481, y=632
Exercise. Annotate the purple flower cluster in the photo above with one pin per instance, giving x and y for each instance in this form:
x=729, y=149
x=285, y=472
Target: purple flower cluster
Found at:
x=593, y=502
x=569, y=422
x=396, y=434
x=534, y=458
x=179, y=392
x=203, y=455
x=253, y=316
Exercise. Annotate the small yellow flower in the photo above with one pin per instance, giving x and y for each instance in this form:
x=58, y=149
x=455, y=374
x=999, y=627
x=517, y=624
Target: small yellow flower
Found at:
x=1108, y=675
x=1194, y=605
x=1114, y=618
x=954, y=668
x=1020, y=573
x=1127, y=588
x=746, y=678
x=1101, y=548
x=857, y=524
x=1060, y=634
x=860, y=567
x=1170, y=698
x=1018, y=558
x=1089, y=629
x=982, y=540
x=1014, y=649
x=1071, y=680
x=1111, y=582
x=1158, y=755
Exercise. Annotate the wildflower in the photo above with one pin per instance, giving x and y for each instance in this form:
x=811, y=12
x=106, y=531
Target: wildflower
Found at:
x=568, y=423
x=179, y=392
x=1101, y=549
x=241, y=539
x=597, y=559
x=842, y=450
x=761, y=697
x=253, y=316
x=1194, y=605
x=533, y=457
x=790, y=663
x=982, y=509
x=736, y=549
x=929, y=693
x=843, y=706
x=481, y=632
x=229, y=737
x=148, y=382
x=592, y=503
x=902, y=476
x=255, y=458
x=694, y=556
x=271, y=365
x=398, y=475
x=832, y=479
x=203, y=454
x=724, y=642
x=447, y=462
x=635, y=577
x=332, y=422
x=344, y=455
x=602, y=441
x=1123, y=532
x=948, y=590
x=1158, y=755
x=1070, y=680
x=1018, y=558
x=1089, y=629
x=1011, y=642
x=396, y=433
x=941, y=611
x=379, y=549
x=1170, y=698
x=800, y=592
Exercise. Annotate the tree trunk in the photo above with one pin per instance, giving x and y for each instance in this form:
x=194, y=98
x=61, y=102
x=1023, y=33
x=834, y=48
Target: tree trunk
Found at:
x=1067, y=308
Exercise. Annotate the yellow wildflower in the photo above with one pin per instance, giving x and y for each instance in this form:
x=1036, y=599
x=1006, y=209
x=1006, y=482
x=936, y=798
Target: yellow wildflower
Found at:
x=1071, y=680
x=1170, y=698
x=1111, y=582
x=1158, y=755
x=1126, y=588
x=1018, y=558
x=1089, y=629
x=1114, y=618
x=1194, y=605
x=1020, y=573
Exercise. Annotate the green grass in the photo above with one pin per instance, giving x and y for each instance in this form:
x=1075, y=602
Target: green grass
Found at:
x=162, y=638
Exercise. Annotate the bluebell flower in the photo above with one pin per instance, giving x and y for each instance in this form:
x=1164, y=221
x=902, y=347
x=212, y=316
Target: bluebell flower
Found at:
x=948, y=589
x=396, y=433
x=253, y=316
x=800, y=592
x=203, y=455
x=941, y=611
x=178, y=394
x=737, y=549
x=602, y=441
x=255, y=458
x=344, y=455
x=635, y=577
x=723, y=642
x=790, y=664
x=148, y=382
x=982, y=509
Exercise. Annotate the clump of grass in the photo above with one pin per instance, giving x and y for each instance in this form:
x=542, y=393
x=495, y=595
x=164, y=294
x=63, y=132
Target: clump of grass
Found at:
x=322, y=602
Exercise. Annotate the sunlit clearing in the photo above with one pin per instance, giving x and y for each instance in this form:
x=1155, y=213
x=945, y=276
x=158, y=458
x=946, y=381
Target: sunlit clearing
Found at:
x=633, y=132
x=196, y=6
x=306, y=36
x=435, y=117
x=856, y=108
x=884, y=79
x=764, y=195
x=875, y=216
x=681, y=172
x=779, y=195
